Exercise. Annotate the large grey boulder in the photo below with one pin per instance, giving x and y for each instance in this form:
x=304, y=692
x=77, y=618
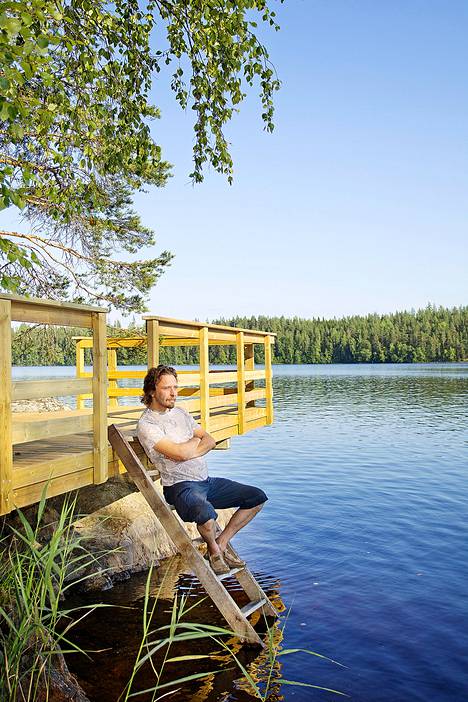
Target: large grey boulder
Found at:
x=126, y=537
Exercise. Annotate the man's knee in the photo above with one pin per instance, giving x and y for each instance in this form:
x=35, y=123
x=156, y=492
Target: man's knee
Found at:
x=196, y=509
x=206, y=526
x=255, y=498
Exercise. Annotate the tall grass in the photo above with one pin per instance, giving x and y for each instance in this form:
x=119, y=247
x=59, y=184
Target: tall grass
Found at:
x=34, y=622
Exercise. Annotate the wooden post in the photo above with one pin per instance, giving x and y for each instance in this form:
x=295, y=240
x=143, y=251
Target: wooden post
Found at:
x=80, y=357
x=204, y=380
x=249, y=366
x=268, y=380
x=99, y=397
x=113, y=384
x=152, y=332
x=240, y=382
x=6, y=448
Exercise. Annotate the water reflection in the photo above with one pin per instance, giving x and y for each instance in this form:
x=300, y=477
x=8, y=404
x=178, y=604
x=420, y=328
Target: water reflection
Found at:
x=113, y=636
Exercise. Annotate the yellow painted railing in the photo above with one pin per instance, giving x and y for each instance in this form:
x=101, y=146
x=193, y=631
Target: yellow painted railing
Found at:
x=223, y=411
x=63, y=450
x=22, y=428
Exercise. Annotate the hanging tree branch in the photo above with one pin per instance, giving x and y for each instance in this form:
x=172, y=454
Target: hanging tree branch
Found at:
x=76, y=137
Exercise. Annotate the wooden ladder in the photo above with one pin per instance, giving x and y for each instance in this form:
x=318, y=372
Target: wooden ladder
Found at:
x=235, y=616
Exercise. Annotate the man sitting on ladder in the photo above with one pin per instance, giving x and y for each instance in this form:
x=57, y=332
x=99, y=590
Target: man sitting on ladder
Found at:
x=176, y=446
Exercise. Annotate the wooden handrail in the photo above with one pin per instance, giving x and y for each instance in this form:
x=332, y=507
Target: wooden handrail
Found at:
x=35, y=389
x=223, y=400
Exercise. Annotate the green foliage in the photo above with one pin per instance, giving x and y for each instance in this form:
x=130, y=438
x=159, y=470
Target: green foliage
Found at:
x=36, y=626
x=75, y=138
x=157, y=644
x=428, y=335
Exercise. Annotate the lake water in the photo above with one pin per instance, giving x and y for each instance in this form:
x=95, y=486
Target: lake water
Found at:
x=365, y=531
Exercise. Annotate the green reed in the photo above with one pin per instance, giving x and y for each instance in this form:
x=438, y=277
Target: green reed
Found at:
x=34, y=622
x=177, y=631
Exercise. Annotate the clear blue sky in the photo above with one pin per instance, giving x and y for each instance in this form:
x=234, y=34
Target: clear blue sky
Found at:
x=358, y=202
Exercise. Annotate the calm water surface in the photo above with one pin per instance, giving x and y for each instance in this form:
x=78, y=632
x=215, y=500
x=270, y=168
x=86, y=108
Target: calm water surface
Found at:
x=366, y=528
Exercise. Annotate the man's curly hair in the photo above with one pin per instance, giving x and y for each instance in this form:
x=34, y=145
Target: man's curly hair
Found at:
x=152, y=379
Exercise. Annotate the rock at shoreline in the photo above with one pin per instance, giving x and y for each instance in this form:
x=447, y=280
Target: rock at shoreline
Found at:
x=57, y=684
x=43, y=404
x=126, y=537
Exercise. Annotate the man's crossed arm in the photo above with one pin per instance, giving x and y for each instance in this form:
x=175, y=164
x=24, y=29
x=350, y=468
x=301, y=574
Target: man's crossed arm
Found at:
x=197, y=446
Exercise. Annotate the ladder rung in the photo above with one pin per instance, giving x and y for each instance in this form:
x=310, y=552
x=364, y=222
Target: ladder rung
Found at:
x=233, y=571
x=252, y=607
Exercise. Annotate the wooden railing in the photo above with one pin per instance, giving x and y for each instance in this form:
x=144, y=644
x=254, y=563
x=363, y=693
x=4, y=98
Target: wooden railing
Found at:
x=223, y=411
x=67, y=449
x=18, y=428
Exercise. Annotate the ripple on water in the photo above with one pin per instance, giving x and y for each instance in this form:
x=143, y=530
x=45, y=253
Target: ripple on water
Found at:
x=365, y=530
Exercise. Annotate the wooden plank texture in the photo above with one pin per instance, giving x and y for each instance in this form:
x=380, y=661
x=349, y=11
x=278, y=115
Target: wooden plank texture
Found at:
x=152, y=331
x=44, y=314
x=249, y=367
x=32, y=390
x=204, y=380
x=240, y=381
x=182, y=323
x=268, y=380
x=99, y=397
x=112, y=385
x=80, y=372
x=57, y=486
x=57, y=304
x=113, y=342
x=29, y=426
x=6, y=452
x=223, y=377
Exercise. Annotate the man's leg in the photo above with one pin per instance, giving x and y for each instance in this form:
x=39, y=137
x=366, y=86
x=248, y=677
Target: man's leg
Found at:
x=215, y=555
x=190, y=501
x=238, y=520
x=225, y=493
x=208, y=533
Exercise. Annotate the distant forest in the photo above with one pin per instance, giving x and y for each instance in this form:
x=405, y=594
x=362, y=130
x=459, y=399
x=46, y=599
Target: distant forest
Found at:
x=428, y=335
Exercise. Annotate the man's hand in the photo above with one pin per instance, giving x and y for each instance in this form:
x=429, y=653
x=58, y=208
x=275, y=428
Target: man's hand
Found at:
x=178, y=452
x=197, y=446
x=207, y=443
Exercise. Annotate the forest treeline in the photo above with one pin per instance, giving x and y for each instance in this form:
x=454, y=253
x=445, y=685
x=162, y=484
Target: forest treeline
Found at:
x=427, y=335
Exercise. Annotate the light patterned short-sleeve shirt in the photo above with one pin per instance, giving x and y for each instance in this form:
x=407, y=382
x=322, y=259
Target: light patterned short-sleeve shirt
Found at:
x=177, y=425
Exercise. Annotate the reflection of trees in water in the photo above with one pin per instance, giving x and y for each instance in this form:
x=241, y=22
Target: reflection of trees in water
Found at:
x=383, y=393
x=263, y=669
x=115, y=635
x=262, y=666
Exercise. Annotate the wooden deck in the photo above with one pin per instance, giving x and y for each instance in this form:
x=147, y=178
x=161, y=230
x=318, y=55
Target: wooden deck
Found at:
x=65, y=450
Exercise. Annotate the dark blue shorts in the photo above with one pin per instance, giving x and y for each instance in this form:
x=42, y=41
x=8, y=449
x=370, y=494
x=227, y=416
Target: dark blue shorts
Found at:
x=197, y=500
